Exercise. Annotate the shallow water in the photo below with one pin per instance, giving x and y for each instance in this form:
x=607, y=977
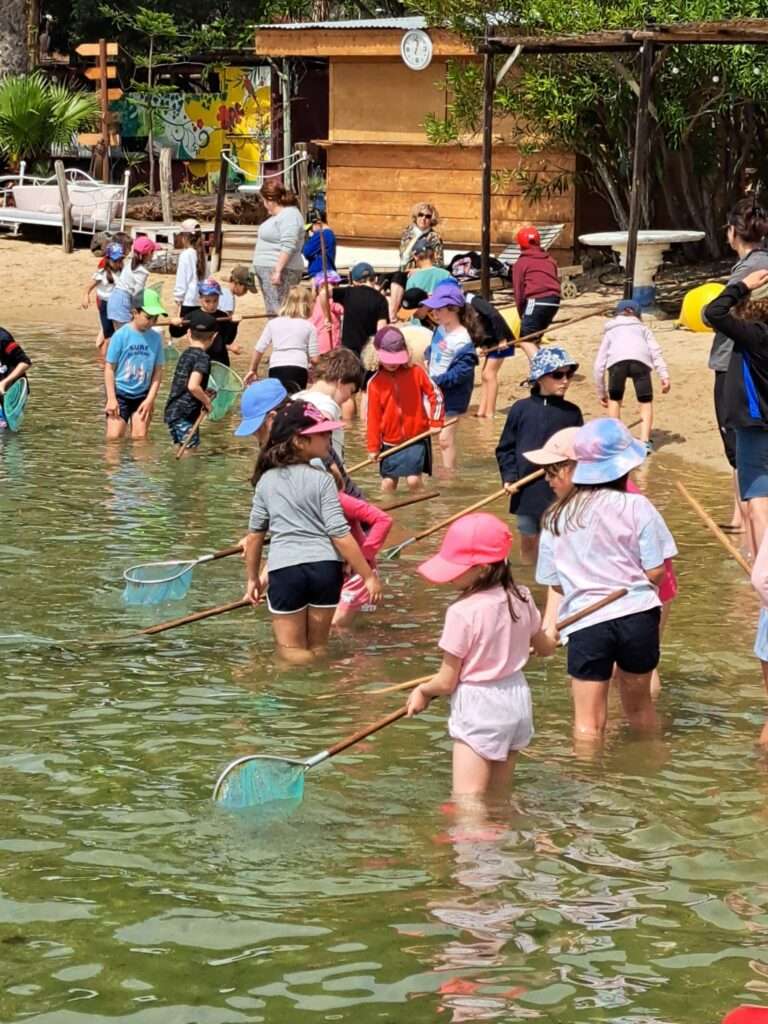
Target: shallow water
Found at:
x=633, y=887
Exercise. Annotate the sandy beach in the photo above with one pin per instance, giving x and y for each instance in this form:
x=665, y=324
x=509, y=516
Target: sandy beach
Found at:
x=52, y=283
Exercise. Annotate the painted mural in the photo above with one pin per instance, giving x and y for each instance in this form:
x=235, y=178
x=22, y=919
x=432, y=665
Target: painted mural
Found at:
x=196, y=126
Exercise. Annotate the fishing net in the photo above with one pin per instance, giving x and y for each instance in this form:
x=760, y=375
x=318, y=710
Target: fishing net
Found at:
x=155, y=582
x=14, y=403
x=227, y=386
x=257, y=780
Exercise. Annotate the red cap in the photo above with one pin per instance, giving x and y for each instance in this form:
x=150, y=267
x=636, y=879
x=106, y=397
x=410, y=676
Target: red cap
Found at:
x=747, y=1015
x=477, y=539
x=528, y=236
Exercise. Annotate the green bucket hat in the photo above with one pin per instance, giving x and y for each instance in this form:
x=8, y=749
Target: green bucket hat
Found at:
x=151, y=304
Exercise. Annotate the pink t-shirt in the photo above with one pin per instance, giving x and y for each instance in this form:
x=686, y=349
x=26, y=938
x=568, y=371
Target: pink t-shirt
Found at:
x=479, y=630
x=328, y=338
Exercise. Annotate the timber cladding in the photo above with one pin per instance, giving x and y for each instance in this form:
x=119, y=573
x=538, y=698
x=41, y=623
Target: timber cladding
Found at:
x=371, y=189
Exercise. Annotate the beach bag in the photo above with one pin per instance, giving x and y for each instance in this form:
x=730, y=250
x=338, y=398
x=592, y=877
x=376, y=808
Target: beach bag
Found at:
x=466, y=266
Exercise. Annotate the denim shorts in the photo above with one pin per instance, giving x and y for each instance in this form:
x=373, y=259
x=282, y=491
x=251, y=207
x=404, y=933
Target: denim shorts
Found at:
x=528, y=525
x=630, y=642
x=179, y=430
x=752, y=462
x=308, y=585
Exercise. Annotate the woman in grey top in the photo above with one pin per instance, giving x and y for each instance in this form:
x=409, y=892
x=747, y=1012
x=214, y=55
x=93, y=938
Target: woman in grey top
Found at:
x=747, y=228
x=277, y=262
x=310, y=537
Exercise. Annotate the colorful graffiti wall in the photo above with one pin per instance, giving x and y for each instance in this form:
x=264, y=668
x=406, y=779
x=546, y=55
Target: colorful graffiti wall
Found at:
x=196, y=126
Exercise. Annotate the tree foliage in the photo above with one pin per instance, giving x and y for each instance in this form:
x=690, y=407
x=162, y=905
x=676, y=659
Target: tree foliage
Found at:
x=36, y=114
x=709, y=110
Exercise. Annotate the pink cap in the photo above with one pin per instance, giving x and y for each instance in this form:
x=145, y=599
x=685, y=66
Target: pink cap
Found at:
x=559, y=448
x=747, y=1015
x=391, y=347
x=476, y=539
x=142, y=245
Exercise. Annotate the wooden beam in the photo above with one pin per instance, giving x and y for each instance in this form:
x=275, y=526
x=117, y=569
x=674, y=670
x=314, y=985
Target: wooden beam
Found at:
x=103, y=85
x=352, y=42
x=639, y=163
x=67, y=242
x=166, y=184
x=489, y=89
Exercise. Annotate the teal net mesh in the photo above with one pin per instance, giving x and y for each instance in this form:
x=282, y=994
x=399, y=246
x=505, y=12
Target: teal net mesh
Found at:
x=157, y=582
x=14, y=403
x=227, y=386
x=260, y=780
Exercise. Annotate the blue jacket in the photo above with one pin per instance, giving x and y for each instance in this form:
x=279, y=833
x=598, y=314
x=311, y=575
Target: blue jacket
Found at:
x=312, y=252
x=530, y=424
x=458, y=380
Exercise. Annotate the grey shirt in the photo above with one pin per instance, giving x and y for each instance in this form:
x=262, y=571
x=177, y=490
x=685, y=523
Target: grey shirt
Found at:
x=284, y=232
x=722, y=346
x=300, y=507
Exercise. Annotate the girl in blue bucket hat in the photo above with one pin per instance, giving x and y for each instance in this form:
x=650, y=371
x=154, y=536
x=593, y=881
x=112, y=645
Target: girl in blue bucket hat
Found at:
x=598, y=539
x=530, y=424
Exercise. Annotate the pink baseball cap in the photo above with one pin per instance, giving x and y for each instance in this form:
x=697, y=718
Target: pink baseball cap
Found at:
x=747, y=1015
x=142, y=245
x=559, y=448
x=476, y=539
x=300, y=417
x=391, y=347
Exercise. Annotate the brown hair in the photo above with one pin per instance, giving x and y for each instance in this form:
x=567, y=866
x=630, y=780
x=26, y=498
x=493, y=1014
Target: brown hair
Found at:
x=498, y=574
x=749, y=220
x=567, y=513
x=275, y=192
x=430, y=208
x=340, y=366
x=195, y=240
x=752, y=309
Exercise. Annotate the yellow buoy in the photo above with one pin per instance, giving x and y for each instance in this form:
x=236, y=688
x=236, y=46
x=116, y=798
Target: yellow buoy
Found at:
x=694, y=303
x=512, y=317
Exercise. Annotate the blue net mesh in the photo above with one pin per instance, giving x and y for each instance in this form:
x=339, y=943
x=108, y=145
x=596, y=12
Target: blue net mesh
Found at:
x=260, y=780
x=156, y=582
x=227, y=386
x=14, y=403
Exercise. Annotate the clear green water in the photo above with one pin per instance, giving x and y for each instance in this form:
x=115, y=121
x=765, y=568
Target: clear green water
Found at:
x=632, y=888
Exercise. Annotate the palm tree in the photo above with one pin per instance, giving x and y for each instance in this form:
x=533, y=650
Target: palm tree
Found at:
x=36, y=114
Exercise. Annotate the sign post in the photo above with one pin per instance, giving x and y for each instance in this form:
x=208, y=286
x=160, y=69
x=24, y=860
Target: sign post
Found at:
x=100, y=76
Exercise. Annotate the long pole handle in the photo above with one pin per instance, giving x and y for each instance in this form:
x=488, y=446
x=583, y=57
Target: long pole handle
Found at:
x=237, y=549
x=595, y=607
x=206, y=613
x=548, y=330
x=399, y=447
x=188, y=439
x=361, y=734
x=407, y=685
x=713, y=528
x=410, y=501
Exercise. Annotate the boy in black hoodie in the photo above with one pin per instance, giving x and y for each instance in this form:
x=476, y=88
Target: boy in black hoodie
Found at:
x=530, y=424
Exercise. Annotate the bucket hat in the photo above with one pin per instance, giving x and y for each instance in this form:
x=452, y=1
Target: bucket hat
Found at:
x=391, y=347
x=447, y=293
x=548, y=359
x=605, y=450
x=476, y=539
x=559, y=448
x=258, y=400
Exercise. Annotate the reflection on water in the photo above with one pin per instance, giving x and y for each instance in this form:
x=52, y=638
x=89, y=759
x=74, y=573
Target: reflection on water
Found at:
x=632, y=887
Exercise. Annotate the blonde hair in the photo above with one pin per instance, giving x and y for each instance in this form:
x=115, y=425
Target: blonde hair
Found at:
x=430, y=208
x=298, y=303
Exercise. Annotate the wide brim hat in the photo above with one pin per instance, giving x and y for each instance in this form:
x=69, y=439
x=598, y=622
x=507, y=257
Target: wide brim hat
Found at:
x=559, y=448
x=605, y=451
x=549, y=359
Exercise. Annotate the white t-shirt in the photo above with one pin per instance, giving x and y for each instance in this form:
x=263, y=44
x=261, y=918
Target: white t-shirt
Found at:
x=104, y=287
x=443, y=351
x=185, y=288
x=293, y=341
x=227, y=301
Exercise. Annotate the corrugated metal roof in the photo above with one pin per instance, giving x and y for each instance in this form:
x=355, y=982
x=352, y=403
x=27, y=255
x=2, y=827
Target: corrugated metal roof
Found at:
x=355, y=23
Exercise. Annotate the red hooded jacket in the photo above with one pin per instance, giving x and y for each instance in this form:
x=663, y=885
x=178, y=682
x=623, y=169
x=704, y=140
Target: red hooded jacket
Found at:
x=534, y=276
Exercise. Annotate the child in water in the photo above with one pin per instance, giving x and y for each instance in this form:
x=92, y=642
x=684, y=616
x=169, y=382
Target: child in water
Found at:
x=133, y=371
x=14, y=363
x=188, y=396
x=598, y=539
x=103, y=283
x=362, y=517
x=310, y=538
x=486, y=640
x=130, y=285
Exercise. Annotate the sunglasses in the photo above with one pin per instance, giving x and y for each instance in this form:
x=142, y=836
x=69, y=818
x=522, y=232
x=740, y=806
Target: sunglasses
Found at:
x=561, y=374
x=424, y=216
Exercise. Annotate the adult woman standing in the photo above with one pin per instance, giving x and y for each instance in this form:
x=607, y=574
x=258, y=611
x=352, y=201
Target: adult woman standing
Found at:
x=747, y=228
x=424, y=221
x=277, y=262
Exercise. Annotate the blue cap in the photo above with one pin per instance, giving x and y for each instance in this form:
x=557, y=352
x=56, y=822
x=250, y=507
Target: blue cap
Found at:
x=361, y=271
x=114, y=251
x=258, y=400
x=447, y=293
x=629, y=306
x=548, y=359
x=210, y=286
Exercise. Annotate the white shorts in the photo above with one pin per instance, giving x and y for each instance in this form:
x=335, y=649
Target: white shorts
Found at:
x=492, y=718
x=761, y=637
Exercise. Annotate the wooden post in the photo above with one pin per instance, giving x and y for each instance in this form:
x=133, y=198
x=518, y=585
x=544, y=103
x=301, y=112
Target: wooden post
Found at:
x=218, y=220
x=285, y=84
x=67, y=243
x=489, y=84
x=639, y=164
x=166, y=184
x=302, y=174
x=104, y=102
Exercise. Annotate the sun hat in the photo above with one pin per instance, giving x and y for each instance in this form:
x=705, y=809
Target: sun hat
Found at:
x=319, y=279
x=447, y=293
x=301, y=418
x=423, y=244
x=559, y=448
x=191, y=225
x=151, y=304
x=476, y=539
x=413, y=298
x=257, y=401
x=629, y=306
x=114, y=251
x=391, y=347
x=361, y=271
x=605, y=450
x=548, y=359
x=528, y=236
x=198, y=320
x=243, y=276
x=210, y=286
x=747, y=1015
x=143, y=244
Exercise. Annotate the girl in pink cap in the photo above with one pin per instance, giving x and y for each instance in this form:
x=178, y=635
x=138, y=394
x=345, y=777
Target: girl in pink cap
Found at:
x=486, y=641
x=129, y=287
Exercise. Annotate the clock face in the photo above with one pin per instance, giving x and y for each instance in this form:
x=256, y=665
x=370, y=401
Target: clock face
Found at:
x=416, y=49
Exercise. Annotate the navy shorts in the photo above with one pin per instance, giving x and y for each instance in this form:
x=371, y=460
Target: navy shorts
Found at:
x=639, y=374
x=411, y=461
x=631, y=642
x=179, y=430
x=128, y=404
x=541, y=316
x=107, y=328
x=309, y=585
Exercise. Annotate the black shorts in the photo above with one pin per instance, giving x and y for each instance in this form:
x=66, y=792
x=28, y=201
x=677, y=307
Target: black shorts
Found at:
x=631, y=642
x=293, y=378
x=311, y=584
x=640, y=375
x=128, y=405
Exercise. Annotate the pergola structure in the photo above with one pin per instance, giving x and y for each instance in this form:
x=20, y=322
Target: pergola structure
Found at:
x=650, y=44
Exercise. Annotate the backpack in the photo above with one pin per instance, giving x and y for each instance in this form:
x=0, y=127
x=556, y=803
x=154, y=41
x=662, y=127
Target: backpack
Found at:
x=466, y=266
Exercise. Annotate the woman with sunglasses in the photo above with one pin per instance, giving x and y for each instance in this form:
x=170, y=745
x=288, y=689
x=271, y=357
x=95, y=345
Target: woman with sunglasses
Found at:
x=531, y=422
x=424, y=221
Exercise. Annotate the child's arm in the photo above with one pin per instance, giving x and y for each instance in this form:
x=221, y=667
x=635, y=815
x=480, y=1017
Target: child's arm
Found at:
x=86, y=301
x=655, y=575
x=760, y=571
x=544, y=644
x=373, y=426
x=350, y=551
x=111, y=406
x=186, y=272
x=657, y=359
x=261, y=347
x=435, y=398
x=254, y=545
x=462, y=366
x=312, y=345
x=378, y=521
x=601, y=360
x=195, y=387
x=145, y=409
x=444, y=682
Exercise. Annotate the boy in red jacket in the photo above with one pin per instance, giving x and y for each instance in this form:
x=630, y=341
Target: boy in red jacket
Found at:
x=536, y=283
x=402, y=403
